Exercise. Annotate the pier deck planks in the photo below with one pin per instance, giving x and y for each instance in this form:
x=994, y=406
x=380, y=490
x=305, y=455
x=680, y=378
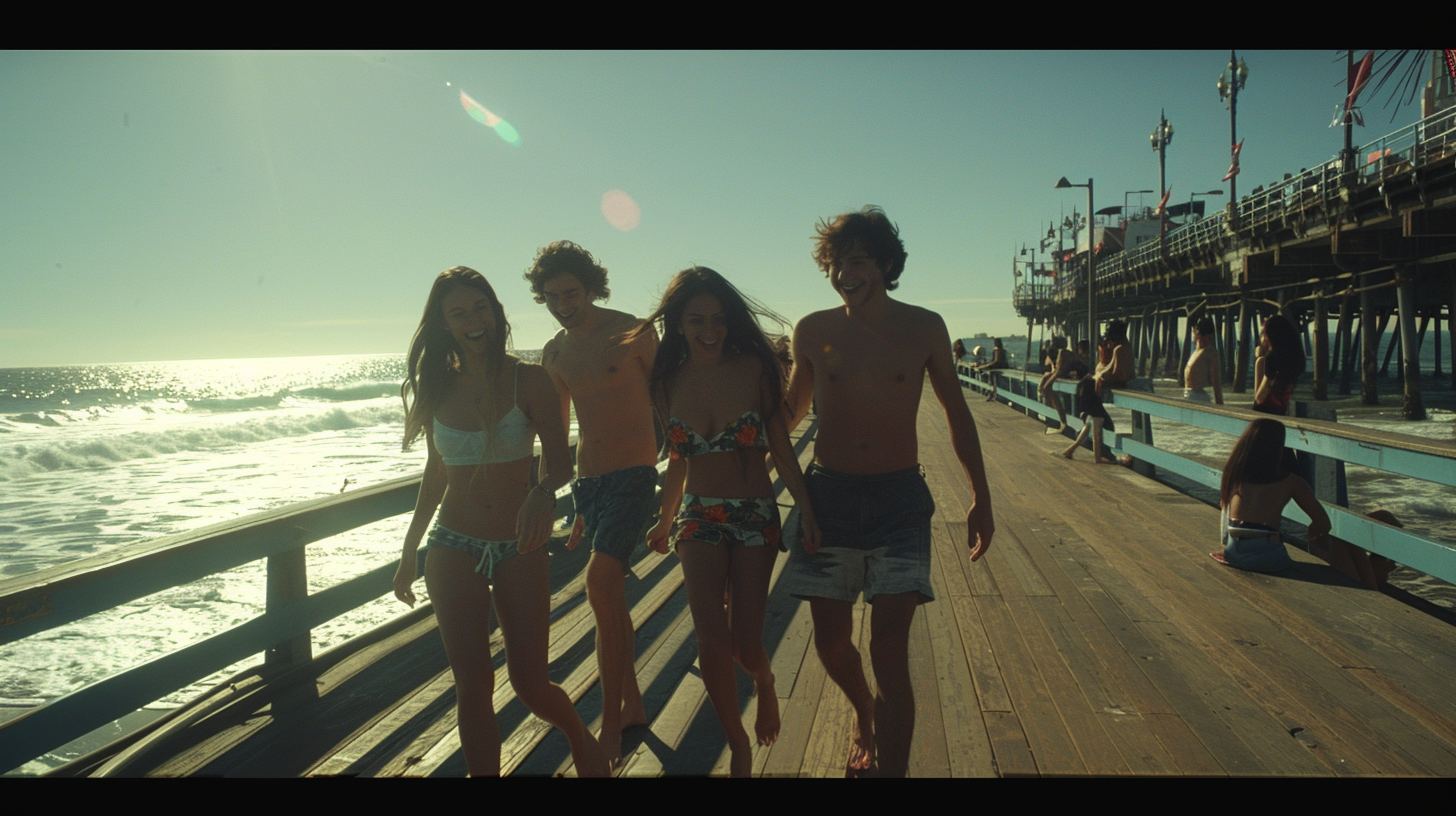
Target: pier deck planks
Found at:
x=1096, y=637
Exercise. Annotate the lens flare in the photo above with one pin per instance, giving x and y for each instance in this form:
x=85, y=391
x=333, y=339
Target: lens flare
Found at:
x=502, y=128
x=620, y=210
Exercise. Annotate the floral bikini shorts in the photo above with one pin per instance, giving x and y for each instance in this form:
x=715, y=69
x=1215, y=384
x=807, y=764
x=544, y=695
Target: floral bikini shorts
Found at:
x=753, y=522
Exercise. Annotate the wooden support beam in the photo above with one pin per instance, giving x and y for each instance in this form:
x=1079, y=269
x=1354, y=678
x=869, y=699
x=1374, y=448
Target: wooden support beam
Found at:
x=1241, y=361
x=1369, y=338
x=1342, y=345
x=1426, y=222
x=1286, y=256
x=1451, y=324
x=1321, y=351
x=1405, y=295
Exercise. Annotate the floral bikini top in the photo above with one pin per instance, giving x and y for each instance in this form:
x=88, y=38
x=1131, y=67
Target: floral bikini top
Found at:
x=744, y=432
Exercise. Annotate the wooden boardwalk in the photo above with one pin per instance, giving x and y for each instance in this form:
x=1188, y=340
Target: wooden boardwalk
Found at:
x=1096, y=638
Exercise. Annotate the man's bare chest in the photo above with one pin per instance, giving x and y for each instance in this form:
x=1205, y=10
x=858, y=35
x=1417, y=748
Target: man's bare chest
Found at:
x=847, y=361
x=588, y=370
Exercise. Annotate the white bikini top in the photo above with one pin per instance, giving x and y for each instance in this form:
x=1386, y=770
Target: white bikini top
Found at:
x=511, y=440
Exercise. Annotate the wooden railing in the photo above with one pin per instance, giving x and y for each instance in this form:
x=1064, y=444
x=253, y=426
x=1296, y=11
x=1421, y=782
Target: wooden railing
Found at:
x=1330, y=447
x=43, y=600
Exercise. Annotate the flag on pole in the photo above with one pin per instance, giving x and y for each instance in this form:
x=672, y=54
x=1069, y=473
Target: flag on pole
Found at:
x=1358, y=79
x=1234, y=167
x=1163, y=202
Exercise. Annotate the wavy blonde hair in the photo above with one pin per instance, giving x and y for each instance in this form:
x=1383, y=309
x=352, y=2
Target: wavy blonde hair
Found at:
x=434, y=356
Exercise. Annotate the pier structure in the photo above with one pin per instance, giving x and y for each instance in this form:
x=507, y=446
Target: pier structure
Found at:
x=1364, y=239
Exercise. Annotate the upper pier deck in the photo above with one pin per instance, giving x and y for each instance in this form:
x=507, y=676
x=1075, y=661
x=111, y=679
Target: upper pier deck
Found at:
x=1095, y=638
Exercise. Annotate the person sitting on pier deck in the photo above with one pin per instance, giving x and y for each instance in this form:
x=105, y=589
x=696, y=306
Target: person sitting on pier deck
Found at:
x=717, y=378
x=1203, y=366
x=864, y=364
x=1255, y=487
x=1277, y=368
x=480, y=409
x=1114, y=370
x=616, y=455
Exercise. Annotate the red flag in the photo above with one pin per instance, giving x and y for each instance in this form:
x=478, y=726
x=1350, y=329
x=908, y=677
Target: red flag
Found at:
x=1234, y=167
x=1163, y=202
x=1356, y=82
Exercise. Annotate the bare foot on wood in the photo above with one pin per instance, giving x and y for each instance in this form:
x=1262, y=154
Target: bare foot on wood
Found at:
x=592, y=762
x=766, y=723
x=862, y=750
x=633, y=714
x=1066, y=454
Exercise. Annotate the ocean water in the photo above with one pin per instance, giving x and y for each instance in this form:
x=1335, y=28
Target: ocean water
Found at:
x=96, y=457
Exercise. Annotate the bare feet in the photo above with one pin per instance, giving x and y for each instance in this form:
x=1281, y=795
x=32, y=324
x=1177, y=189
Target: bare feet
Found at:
x=633, y=714
x=592, y=761
x=611, y=743
x=862, y=751
x=766, y=723
x=1066, y=454
x=740, y=761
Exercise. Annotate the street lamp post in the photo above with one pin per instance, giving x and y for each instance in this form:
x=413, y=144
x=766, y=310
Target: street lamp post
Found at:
x=1063, y=184
x=1192, y=196
x=1124, y=200
x=1230, y=81
x=1162, y=135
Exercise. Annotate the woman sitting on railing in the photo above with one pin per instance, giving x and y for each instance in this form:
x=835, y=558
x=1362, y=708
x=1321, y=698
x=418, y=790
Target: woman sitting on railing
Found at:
x=1278, y=365
x=718, y=380
x=1256, y=485
x=1114, y=369
x=480, y=410
x=1062, y=363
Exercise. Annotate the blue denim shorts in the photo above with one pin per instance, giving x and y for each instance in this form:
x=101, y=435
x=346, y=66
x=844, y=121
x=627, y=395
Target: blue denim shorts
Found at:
x=489, y=553
x=875, y=536
x=617, y=508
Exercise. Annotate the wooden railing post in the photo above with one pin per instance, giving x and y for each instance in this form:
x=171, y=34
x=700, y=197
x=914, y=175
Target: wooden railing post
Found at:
x=1326, y=476
x=1142, y=431
x=287, y=583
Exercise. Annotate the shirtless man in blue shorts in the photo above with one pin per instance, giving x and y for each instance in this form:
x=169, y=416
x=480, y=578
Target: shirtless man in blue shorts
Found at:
x=864, y=365
x=616, y=454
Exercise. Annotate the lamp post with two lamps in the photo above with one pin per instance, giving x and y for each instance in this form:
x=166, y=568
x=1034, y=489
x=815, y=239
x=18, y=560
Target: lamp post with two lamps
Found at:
x=1063, y=184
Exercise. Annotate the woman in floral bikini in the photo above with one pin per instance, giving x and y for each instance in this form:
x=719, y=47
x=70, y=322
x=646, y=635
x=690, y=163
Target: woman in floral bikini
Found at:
x=717, y=377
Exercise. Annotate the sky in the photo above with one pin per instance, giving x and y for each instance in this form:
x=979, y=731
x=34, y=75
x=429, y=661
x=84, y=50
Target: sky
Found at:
x=194, y=205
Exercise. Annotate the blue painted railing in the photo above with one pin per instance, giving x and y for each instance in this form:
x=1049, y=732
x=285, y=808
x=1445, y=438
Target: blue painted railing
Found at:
x=1397, y=454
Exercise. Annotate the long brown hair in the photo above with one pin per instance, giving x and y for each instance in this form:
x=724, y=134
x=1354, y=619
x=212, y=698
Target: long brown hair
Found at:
x=1257, y=458
x=434, y=356
x=745, y=335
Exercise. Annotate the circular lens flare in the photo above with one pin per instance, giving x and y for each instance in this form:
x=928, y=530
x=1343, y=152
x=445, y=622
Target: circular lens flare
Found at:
x=620, y=210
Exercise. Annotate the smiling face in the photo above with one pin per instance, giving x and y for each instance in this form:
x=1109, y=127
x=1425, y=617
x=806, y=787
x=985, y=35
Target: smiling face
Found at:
x=470, y=318
x=857, y=277
x=567, y=300
x=704, y=325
